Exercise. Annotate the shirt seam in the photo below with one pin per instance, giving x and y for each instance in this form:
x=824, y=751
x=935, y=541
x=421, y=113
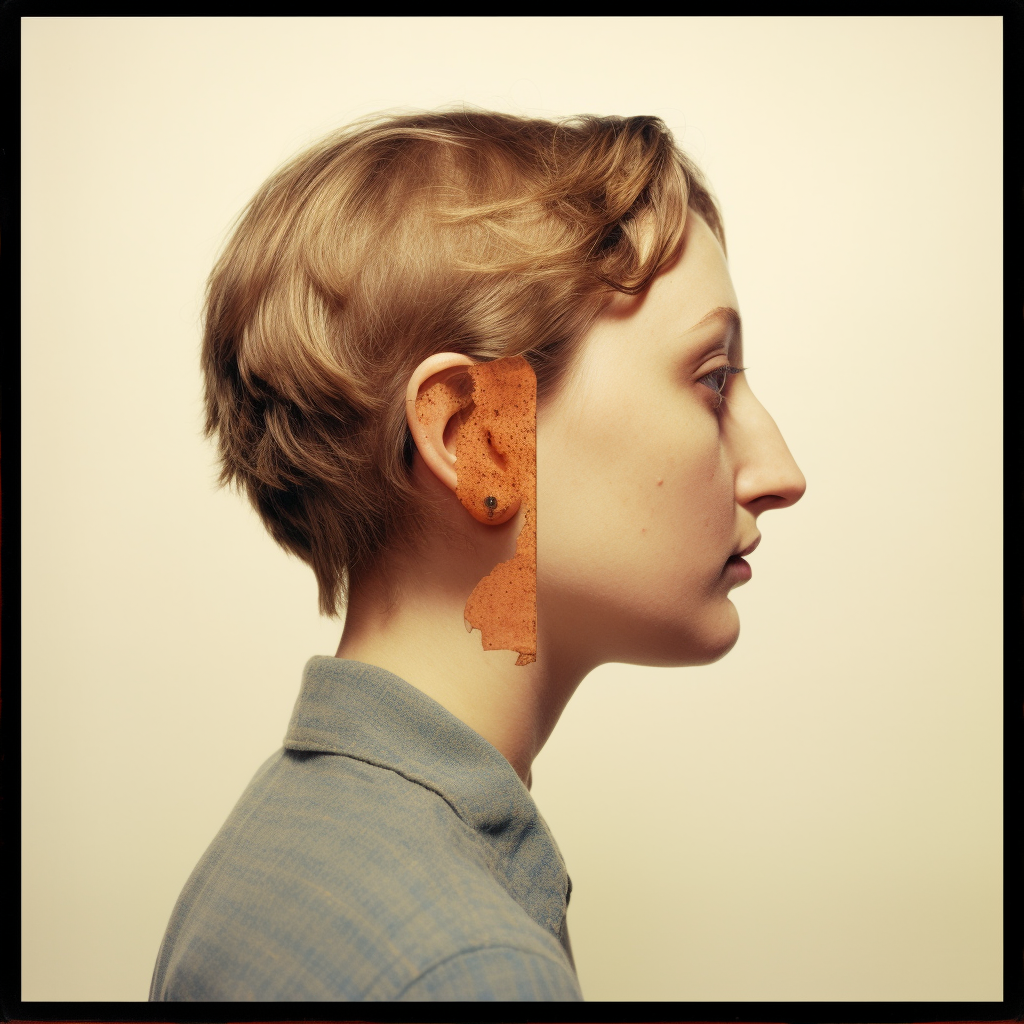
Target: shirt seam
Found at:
x=397, y=771
x=474, y=949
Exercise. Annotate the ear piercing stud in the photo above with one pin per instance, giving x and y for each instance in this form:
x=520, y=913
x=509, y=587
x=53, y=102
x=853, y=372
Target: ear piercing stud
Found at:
x=491, y=502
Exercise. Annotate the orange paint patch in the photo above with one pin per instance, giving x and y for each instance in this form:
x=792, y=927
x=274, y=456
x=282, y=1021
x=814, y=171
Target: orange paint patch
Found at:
x=496, y=476
x=503, y=606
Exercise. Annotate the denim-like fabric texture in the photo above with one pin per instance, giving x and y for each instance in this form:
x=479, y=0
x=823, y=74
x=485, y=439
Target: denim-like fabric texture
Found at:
x=387, y=852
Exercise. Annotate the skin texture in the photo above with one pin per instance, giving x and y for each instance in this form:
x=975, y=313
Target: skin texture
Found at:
x=646, y=485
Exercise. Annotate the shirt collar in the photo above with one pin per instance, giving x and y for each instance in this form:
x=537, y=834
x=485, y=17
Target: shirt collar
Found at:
x=365, y=712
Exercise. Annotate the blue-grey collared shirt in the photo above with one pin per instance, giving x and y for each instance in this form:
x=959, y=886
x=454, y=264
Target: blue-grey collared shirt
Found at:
x=388, y=851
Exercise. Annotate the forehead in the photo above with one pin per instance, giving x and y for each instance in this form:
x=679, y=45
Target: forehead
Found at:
x=697, y=283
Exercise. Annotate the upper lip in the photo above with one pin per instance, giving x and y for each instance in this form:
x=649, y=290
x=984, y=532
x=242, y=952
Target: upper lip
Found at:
x=750, y=547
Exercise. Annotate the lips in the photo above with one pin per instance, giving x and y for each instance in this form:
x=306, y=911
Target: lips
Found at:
x=736, y=568
x=749, y=548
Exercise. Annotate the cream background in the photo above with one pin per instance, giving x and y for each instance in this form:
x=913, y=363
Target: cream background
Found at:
x=818, y=816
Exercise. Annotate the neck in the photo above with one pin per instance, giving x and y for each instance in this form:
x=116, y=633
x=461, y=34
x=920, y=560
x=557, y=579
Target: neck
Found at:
x=422, y=639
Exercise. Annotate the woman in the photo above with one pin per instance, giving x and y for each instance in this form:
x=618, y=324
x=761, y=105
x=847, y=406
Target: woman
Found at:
x=391, y=849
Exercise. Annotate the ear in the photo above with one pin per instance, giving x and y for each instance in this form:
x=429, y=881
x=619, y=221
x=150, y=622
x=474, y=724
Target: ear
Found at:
x=434, y=404
x=456, y=421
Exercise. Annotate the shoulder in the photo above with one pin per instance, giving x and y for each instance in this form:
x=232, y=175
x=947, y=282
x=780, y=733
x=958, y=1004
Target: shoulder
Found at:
x=335, y=878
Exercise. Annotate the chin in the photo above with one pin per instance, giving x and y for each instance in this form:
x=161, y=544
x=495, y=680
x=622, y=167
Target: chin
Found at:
x=672, y=647
x=716, y=652
x=721, y=640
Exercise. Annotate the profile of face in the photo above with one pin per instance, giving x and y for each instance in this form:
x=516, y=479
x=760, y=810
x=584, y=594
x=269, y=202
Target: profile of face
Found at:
x=654, y=462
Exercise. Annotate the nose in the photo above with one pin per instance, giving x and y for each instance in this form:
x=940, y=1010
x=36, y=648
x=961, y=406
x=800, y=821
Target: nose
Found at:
x=767, y=475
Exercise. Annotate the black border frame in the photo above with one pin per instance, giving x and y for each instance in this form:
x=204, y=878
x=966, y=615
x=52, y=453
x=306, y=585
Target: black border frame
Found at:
x=12, y=1008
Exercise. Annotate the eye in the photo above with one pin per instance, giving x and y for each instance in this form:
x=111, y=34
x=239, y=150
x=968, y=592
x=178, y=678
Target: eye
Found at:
x=717, y=378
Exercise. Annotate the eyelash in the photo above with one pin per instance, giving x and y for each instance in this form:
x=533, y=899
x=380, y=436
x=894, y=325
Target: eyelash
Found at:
x=718, y=388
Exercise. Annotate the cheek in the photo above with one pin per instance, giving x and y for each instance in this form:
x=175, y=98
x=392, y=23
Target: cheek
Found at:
x=602, y=514
x=703, y=492
x=585, y=494
x=687, y=522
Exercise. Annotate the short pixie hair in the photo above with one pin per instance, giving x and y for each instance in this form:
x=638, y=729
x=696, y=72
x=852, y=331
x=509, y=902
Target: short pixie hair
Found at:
x=395, y=238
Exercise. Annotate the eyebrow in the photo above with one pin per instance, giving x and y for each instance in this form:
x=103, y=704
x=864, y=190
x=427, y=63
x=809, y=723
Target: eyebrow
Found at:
x=725, y=315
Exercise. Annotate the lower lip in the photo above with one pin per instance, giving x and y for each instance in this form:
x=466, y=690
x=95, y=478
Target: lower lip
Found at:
x=738, y=569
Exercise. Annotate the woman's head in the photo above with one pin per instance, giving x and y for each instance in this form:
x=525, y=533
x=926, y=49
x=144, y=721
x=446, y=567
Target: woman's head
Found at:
x=477, y=233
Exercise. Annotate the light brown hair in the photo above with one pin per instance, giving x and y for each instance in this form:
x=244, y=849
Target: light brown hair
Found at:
x=395, y=238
